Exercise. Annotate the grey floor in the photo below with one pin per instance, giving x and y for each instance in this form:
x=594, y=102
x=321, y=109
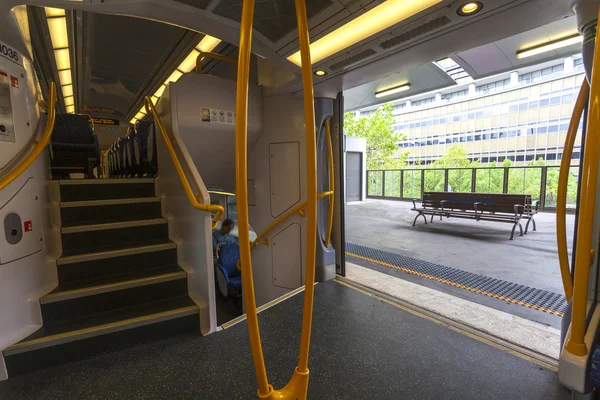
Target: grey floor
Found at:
x=362, y=348
x=479, y=247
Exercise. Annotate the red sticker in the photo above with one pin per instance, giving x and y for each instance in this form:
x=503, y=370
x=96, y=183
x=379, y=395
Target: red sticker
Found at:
x=28, y=226
x=14, y=81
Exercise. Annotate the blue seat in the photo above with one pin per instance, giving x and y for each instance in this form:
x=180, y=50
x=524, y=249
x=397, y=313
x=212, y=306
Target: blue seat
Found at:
x=128, y=162
x=119, y=147
x=229, y=277
x=74, y=146
x=144, y=146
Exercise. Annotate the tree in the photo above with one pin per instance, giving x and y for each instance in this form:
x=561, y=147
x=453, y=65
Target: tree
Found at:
x=382, y=140
x=460, y=177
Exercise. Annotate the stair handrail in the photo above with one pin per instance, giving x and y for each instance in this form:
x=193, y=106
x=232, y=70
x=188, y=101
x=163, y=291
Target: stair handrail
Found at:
x=561, y=197
x=584, y=252
x=214, y=56
x=297, y=388
x=194, y=199
x=39, y=146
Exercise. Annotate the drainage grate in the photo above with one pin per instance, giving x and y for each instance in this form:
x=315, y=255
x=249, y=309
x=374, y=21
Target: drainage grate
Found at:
x=552, y=303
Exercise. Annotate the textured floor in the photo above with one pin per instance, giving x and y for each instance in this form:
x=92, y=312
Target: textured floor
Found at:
x=362, y=348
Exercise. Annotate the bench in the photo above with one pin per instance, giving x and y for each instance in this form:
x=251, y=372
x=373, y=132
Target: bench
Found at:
x=508, y=208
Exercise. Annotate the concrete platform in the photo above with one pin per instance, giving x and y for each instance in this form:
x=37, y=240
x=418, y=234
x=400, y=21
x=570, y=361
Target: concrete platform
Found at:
x=480, y=247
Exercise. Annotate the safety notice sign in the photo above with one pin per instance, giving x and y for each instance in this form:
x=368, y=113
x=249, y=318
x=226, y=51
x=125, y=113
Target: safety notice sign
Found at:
x=218, y=116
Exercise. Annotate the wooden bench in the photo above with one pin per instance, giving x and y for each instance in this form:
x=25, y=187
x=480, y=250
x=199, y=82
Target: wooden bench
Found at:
x=508, y=208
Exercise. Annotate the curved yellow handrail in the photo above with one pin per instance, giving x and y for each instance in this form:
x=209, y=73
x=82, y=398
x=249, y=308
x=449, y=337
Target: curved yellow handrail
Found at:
x=297, y=388
x=585, y=227
x=214, y=56
x=331, y=183
x=561, y=200
x=184, y=181
x=39, y=146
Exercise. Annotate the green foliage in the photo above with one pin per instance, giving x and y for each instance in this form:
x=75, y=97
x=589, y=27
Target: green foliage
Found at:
x=459, y=180
x=382, y=140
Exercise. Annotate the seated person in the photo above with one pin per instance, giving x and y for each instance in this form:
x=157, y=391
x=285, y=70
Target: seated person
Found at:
x=220, y=235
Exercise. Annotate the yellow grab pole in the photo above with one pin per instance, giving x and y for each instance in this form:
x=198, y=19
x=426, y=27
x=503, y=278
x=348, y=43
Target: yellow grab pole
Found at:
x=561, y=198
x=311, y=184
x=241, y=162
x=44, y=140
x=589, y=179
x=331, y=183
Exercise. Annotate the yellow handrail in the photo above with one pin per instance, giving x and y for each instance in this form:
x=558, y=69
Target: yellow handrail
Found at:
x=583, y=249
x=214, y=56
x=184, y=181
x=563, y=180
x=331, y=183
x=39, y=146
x=297, y=388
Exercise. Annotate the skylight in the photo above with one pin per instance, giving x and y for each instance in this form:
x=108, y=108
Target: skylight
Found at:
x=454, y=70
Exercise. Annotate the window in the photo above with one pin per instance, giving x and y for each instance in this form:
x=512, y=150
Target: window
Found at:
x=553, y=129
x=542, y=129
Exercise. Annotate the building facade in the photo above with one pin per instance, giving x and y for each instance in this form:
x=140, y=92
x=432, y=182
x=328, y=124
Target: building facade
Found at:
x=521, y=115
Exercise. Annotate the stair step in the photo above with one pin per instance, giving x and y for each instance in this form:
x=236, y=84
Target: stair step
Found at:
x=113, y=236
x=76, y=213
x=104, y=189
x=111, y=283
x=110, y=299
x=103, y=255
x=132, y=263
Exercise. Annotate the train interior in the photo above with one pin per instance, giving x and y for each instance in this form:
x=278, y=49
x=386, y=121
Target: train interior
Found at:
x=172, y=191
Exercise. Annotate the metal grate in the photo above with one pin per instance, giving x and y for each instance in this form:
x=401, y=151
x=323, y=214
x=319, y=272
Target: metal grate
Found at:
x=552, y=303
x=352, y=59
x=415, y=32
x=201, y=4
x=272, y=18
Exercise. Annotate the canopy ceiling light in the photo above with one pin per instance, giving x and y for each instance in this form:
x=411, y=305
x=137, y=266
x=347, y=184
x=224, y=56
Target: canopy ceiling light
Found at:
x=470, y=8
x=394, y=90
x=549, y=46
x=377, y=19
x=206, y=45
x=57, y=25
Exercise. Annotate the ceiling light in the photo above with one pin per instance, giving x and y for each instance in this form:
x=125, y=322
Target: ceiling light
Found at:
x=54, y=12
x=556, y=44
x=470, y=8
x=208, y=44
x=140, y=115
x=155, y=99
x=160, y=91
x=65, y=77
x=133, y=121
x=394, y=90
x=190, y=62
x=67, y=90
x=368, y=24
x=63, y=61
x=174, y=76
x=320, y=72
x=58, y=32
x=70, y=109
x=69, y=101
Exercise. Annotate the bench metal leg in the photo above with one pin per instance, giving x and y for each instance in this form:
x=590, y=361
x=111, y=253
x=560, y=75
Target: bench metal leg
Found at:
x=512, y=233
x=527, y=225
x=420, y=215
x=432, y=215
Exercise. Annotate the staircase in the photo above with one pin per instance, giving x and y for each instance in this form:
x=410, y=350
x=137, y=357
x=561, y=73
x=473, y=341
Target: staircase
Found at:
x=119, y=282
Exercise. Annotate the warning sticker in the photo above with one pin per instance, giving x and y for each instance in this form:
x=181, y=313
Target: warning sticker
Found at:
x=217, y=116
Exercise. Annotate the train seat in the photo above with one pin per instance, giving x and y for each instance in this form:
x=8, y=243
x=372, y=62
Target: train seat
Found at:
x=144, y=148
x=74, y=146
x=229, y=277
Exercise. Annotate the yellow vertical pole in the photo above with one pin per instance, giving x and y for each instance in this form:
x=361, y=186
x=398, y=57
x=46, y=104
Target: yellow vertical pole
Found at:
x=331, y=183
x=311, y=184
x=585, y=227
x=561, y=198
x=241, y=163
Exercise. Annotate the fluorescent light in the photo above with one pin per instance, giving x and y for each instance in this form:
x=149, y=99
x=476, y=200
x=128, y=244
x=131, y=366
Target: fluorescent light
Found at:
x=69, y=101
x=54, y=12
x=174, y=76
x=368, y=24
x=155, y=99
x=133, y=121
x=63, y=61
x=65, y=77
x=190, y=62
x=58, y=32
x=70, y=109
x=394, y=90
x=556, y=44
x=140, y=115
x=207, y=44
x=160, y=91
x=67, y=90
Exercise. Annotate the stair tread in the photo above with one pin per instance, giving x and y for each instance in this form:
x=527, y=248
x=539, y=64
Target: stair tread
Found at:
x=111, y=279
x=115, y=247
x=96, y=320
x=67, y=259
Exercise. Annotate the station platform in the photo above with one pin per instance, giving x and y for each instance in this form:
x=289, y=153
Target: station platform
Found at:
x=363, y=347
